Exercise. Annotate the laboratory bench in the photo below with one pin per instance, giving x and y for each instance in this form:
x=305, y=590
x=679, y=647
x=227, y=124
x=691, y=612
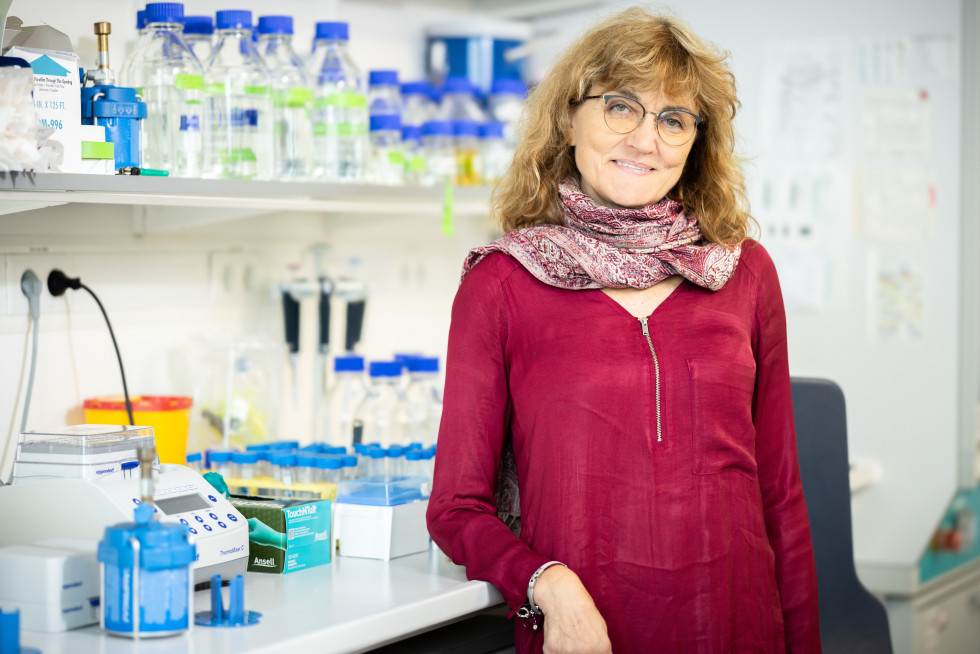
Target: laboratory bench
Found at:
x=348, y=605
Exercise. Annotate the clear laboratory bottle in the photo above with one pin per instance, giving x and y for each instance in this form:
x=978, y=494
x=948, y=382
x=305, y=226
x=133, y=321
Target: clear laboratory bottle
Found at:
x=220, y=461
x=238, y=94
x=292, y=99
x=306, y=468
x=417, y=105
x=495, y=155
x=424, y=400
x=384, y=93
x=340, y=111
x=170, y=80
x=378, y=418
x=459, y=101
x=466, y=144
x=199, y=34
x=505, y=104
x=332, y=470
x=195, y=462
x=335, y=418
x=395, y=466
x=414, y=155
x=243, y=464
x=439, y=151
x=387, y=165
x=284, y=468
x=350, y=467
x=377, y=461
x=414, y=466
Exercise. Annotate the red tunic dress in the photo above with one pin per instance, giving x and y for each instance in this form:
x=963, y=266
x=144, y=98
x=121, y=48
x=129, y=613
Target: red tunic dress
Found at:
x=659, y=464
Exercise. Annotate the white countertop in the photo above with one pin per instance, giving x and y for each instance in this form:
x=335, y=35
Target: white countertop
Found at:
x=348, y=605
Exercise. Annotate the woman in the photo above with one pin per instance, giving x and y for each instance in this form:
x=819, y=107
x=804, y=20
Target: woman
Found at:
x=627, y=343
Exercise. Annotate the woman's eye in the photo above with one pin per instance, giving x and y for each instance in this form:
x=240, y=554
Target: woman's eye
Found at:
x=619, y=108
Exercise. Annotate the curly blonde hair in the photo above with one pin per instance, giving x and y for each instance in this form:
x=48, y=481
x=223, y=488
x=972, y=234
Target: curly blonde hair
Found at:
x=631, y=50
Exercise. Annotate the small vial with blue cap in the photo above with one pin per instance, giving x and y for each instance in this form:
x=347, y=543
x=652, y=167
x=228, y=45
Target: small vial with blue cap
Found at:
x=195, y=461
x=220, y=461
x=243, y=464
x=306, y=468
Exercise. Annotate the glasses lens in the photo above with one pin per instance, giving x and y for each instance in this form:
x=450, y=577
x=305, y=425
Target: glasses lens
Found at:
x=676, y=127
x=623, y=114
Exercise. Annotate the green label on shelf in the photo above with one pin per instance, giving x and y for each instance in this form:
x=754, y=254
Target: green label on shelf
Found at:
x=448, y=204
x=193, y=103
x=344, y=99
x=256, y=90
x=339, y=129
x=396, y=157
x=186, y=81
x=298, y=97
x=215, y=88
x=415, y=163
x=98, y=150
x=237, y=155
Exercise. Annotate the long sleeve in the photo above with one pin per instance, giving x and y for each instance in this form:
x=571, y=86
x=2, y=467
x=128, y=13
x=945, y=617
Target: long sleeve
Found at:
x=787, y=522
x=462, y=514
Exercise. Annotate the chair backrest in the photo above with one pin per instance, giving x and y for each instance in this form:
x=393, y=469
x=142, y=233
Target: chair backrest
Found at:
x=851, y=618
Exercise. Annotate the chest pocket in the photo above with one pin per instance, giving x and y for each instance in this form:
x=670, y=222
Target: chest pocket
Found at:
x=724, y=436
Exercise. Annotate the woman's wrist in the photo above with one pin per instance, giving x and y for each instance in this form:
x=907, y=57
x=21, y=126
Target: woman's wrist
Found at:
x=547, y=584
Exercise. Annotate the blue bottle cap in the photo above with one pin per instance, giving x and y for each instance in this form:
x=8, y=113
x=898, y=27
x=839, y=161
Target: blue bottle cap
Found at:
x=416, y=88
x=509, y=87
x=336, y=449
x=275, y=24
x=193, y=457
x=334, y=464
x=233, y=19
x=415, y=445
x=244, y=457
x=493, y=129
x=360, y=448
x=395, y=451
x=349, y=461
x=348, y=363
x=386, y=122
x=219, y=456
x=423, y=364
x=140, y=19
x=285, y=445
x=437, y=128
x=378, y=77
x=411, y=133
x=385, y=368
x=377, y=453
x=413, y=455
x=332, y=30
x=466, y=128
x=198, y=25
x=458, y=85
x=258, y=447
x=164, y=12
x=306, y=460
x=282, y=459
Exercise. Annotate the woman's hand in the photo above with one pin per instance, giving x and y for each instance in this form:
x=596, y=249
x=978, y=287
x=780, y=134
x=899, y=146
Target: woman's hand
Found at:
x=572, y=623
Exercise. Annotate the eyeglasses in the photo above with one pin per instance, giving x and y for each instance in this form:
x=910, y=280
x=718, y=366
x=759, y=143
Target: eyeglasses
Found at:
x=623, y=115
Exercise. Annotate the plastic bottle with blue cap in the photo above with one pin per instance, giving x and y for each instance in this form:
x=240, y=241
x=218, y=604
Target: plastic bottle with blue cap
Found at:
x=459, y=101
x=417, y=104
x=380, y=415
x=387, y=164
x=170, y=80
x=335, y=417
x=340, y=110
x=424, y=399
x=239, y=103
x=199, y=34
x=439, y=152
x=384, y=93
x=495, y=154
x=466, y=143
x=292, y=99
x=506, y=103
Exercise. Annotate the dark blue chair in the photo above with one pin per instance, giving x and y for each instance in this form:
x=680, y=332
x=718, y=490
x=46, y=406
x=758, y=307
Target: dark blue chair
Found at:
x=851, y=618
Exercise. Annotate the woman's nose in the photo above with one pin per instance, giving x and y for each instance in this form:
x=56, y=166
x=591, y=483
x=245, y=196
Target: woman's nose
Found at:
x=645, y=137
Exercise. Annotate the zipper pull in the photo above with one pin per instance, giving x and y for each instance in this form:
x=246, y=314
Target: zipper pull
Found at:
x=643, y=324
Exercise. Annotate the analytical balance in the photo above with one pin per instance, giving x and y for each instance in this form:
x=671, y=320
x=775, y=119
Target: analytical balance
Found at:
x=76, y=481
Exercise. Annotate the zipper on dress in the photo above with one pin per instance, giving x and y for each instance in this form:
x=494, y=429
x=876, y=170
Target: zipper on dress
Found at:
x=656, y=370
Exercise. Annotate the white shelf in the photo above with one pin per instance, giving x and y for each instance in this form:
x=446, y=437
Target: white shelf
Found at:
x=349, y=605
x=27, y=191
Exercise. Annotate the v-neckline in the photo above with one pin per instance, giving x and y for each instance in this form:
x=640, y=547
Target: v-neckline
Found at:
x=667, y=300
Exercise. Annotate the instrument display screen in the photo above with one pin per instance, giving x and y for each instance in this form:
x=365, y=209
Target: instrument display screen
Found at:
x=182, y=503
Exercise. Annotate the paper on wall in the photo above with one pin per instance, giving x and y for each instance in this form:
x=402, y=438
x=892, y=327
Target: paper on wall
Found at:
x=897, y=203
x=895, y=294
x=896, y=124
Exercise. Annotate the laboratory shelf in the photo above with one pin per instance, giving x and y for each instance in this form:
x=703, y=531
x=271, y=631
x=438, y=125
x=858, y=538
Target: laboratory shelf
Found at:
x=20, y=191
x=349, y=605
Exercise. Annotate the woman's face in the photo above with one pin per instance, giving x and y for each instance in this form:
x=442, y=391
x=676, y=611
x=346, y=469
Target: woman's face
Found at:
x=627, y=170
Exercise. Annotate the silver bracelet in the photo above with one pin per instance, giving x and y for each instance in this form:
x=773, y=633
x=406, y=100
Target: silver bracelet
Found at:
x=534, y=578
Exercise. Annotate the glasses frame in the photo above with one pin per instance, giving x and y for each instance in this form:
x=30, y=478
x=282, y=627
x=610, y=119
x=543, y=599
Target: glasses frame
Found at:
x=698, y=120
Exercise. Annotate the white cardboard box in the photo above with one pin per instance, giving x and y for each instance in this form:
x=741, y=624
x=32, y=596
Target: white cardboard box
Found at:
x=55, y=584
x=380, y=532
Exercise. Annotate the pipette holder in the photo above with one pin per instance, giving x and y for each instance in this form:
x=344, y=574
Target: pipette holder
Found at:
x=236, y=615
x=119, y=110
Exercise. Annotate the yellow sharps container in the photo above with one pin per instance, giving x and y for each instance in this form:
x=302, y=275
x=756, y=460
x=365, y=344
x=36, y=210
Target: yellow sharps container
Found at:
x=169, y=416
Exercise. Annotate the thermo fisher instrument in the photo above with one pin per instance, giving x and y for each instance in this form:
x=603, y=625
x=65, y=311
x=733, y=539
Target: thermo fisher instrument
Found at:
x=76, y=481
